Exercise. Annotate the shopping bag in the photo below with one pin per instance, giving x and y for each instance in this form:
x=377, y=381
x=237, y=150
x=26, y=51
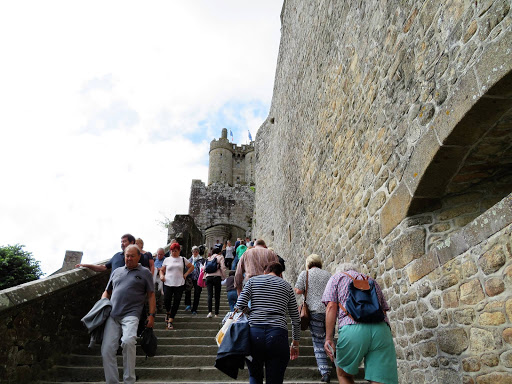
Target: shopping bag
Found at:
x=201, y=280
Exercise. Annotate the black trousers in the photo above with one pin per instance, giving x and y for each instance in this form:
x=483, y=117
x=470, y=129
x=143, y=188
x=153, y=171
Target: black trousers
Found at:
x=228, y=263
x=172, y=299
x=211, y=283
x=197, y=295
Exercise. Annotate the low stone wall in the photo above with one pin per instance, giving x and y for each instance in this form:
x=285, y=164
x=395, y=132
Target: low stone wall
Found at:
x=40, y=321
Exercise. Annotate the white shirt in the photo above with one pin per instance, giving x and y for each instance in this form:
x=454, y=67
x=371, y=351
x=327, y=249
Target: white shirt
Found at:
x=173, y=271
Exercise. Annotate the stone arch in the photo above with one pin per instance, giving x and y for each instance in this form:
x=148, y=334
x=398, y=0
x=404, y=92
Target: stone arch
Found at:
x=223, y=231
x=438, y=160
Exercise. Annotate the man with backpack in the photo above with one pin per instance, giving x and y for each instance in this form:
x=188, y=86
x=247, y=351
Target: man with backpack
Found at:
x=358, y=304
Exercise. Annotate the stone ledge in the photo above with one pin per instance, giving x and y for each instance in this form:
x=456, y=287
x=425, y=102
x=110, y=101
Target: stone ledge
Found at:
x=36, y=289
x=484, y=226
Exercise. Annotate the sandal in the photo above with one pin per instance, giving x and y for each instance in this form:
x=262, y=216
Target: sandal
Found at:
x=169, y=326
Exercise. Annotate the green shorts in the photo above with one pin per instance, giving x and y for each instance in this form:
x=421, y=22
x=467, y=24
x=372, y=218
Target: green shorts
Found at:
x=374, y=344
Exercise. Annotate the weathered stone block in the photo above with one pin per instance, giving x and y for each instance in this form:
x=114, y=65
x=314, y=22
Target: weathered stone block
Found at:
x=430, y=320
x=395, y=210
x=471, y=292
x=491, y=318
x=494, y=286
x=464, y=316
x=409, y=246
x=447, y=281
x=507, y=335
x=469, y=268
x=481, y=340
x=453, y=340
x=490, y=359
x=471, y=364
x=428, y=349
x=492, y=260
x=508, y=309
x=451, y=299
x=420, y=268
x=495, y=378
x=506, y=359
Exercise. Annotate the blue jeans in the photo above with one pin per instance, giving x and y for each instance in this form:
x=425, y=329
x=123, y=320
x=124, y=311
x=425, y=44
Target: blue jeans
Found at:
x=232, y=298
x=269, y=348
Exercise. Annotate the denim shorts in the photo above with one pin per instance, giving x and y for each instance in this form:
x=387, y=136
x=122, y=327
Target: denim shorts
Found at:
x=374, y=344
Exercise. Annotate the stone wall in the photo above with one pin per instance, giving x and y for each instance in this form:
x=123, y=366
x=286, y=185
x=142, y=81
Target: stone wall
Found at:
x=40, y=322
x=388, y=142
x=184, y=230
x=220, y=204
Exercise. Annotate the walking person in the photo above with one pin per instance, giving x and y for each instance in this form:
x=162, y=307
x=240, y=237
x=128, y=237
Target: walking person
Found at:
x=146, y=258
x=228, y=259
x=271, y=298
x=197, y=261
x=173, y=273
x=214, y=269
x=231, y=290
x=316, y=282
x=159, y=294
x=127, y=289
x=371, y=341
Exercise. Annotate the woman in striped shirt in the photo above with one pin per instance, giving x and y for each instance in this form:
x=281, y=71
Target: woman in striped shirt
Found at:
x=271, y=299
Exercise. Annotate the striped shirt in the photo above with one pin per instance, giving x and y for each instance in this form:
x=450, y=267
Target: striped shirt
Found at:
x=271, y=299
x=337, y=291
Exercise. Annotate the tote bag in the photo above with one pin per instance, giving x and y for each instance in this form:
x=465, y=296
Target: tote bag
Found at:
x=201, y=280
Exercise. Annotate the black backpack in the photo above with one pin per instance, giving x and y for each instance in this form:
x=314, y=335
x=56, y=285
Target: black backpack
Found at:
x=211, y=266
x=148, y=342
x=362, y=304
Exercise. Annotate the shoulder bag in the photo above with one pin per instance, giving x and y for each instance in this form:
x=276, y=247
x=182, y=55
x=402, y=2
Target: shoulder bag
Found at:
x=303, y=309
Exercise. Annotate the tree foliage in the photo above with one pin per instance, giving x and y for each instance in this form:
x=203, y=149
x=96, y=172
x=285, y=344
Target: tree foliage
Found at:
x=17, y=266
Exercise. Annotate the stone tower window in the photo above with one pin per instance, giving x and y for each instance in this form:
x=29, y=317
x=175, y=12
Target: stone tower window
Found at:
x=238, y=179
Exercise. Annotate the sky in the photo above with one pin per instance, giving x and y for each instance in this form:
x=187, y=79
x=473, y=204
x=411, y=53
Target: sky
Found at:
x=107, y=110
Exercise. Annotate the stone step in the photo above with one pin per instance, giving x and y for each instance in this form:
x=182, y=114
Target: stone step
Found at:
x=201, y=374
x=169, y=339
x=227, y=380
x=180, y=350
x=202, y=332
x=169, y=361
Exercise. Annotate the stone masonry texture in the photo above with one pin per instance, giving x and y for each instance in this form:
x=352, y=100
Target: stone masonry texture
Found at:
x=389, y=143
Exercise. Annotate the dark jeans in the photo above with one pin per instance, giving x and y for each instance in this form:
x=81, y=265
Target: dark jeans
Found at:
x=211, y=282
x=269, y=348
x=197, y=295
x=227, y=263
x=172, y=296
x=232, y=298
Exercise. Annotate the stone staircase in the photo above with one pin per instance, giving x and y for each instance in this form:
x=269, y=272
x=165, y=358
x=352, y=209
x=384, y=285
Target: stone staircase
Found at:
x=184, y=355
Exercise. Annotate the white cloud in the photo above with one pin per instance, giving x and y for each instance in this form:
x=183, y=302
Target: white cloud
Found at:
x=108, y=109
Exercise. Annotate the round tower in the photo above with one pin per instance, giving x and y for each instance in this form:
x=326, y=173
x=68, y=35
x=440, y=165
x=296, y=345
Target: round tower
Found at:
x=221, y=160
x=250, y=162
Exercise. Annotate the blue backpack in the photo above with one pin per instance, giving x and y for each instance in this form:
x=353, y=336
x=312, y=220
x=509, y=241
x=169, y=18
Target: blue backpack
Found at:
x=211, y=266
x=362, y=304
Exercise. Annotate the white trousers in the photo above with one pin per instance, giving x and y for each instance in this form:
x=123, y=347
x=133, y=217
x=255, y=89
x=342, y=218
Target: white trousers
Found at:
x=126, y=329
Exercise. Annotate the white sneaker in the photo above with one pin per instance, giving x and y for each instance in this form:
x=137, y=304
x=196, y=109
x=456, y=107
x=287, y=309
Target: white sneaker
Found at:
x=209, y=315
x=216, y=315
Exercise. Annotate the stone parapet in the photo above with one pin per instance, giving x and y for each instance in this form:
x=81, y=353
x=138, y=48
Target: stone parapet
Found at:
x=40, y=322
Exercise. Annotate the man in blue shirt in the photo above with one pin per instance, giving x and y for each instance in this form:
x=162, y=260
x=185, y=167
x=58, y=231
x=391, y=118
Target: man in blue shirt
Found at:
x=116, y=261
x=160, y=257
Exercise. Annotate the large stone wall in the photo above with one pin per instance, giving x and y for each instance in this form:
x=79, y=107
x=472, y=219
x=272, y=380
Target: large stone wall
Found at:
x=388, y=142
x=40, y=322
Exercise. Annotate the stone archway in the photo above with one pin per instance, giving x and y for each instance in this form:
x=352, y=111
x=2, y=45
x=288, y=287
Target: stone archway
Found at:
x=440, y=160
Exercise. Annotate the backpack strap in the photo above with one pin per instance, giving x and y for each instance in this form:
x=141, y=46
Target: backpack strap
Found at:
x=306, y=291
x=344, y=310
x=361, y=284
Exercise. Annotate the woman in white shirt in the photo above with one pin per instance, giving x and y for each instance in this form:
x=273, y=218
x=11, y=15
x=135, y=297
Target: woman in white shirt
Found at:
x=173, y=273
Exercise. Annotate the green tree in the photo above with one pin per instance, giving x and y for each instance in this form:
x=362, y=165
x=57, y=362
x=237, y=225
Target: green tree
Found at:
x=17, y=266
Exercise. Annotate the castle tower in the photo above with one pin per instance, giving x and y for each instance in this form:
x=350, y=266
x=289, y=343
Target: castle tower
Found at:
x=221, y=160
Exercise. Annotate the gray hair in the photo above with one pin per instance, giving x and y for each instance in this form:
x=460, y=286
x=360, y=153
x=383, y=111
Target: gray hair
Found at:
x=160, y=249
x=195, y=248
x=349, y=266
x=132, y=246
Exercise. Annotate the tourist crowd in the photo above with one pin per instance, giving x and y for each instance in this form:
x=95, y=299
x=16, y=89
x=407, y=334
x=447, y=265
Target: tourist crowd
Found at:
x=140, y=285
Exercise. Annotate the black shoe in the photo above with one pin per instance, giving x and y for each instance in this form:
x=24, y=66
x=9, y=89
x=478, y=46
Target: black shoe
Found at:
x=326, y=378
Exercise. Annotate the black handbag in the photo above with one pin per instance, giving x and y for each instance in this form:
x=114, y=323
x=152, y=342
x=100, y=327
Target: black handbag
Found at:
x=148, y=342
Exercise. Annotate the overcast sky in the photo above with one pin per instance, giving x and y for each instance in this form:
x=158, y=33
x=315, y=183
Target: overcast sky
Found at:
x=107, y=109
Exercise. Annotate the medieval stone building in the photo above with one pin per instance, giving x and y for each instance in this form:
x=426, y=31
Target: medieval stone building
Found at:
x=223, y=209
x=389, y=143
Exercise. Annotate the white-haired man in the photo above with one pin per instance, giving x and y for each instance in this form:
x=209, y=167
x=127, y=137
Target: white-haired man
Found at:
x=371, y=341
x=127, y=289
